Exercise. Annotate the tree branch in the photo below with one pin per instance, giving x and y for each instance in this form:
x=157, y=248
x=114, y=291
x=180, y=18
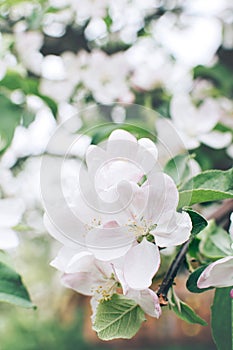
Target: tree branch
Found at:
x=220, y=215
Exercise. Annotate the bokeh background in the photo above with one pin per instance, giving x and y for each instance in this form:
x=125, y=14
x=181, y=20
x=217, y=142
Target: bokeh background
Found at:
x=59, y=57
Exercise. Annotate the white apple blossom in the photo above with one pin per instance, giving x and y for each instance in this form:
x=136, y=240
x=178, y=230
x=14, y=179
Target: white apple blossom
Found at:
x=70, y=73
x=152, y=67
x=11, y=210
x=195, y=124
x=220, y=273
x=89, y=276
x=28, y=46
x=115, y=217
x=106, y=77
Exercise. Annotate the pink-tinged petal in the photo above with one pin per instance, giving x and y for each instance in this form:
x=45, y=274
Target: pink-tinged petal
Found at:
x=133, y=201
x=63, y=257
x=216, y=139
x=147, y=299
x=141, y=263
x=174, y=231
x=147, y=154
x=95, y=157
x=218, y=274
x=81, y=262
x=82, y=282
x=163, y=196
x=8, y=239
x=109, y=243
x=119, y=273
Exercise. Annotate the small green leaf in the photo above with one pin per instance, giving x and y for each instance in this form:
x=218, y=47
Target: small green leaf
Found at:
x=191, y=283
x=12, y=289
x=198, y=221
x=177, y=168
x=101, y=132
x=222, y=318
x=215, y=242
x=210, y=185
x=9, y=120
x=185, y=312
x=118, y=318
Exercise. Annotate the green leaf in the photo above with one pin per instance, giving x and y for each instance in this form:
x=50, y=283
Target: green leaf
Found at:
x=191, y=283
x=185, y=312
x=118, y=318
x=211, y=185
x=215, y=242
x=219, y=74
x=12, y=289
x=177, y=168
x=30, y=86
x=10, y=118
x=222, y=319
x=101, y=132
x=198, y=221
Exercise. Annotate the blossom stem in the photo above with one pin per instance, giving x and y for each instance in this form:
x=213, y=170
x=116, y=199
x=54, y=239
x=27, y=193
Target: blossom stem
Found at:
x=219, y=216
x=171, y=274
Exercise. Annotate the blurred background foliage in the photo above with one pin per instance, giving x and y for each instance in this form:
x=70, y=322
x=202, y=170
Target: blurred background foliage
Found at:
x=35, y=38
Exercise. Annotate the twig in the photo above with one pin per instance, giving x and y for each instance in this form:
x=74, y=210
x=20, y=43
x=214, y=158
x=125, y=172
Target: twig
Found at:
x=168, y=280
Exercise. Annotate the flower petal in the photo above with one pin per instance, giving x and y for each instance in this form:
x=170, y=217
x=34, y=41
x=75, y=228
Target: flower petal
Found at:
x=109, y=243
x=64, y=226
x=218, y=274
x=147, y=154
x=95, y=156
x=174, y=231
x=82, y=282
x=148, y=300
x=141, y=263
x=163, y=196
x=122, y=144
x=216, y=139
x=11, y=210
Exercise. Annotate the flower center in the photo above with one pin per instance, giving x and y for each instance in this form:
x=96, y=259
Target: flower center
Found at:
x=142, y=229
x=105, y=291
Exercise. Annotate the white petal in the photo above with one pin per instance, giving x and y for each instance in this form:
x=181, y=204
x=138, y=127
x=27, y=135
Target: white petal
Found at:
x=218, y=274
x=67, y=258
x=81, y=262
x=163, y=196
x=65, y=228
x=175, y=231
x=82, y=282
x=122, y=144
x=11, y=210
x=208, y=115
x=148, y=300
x=95, y=156
x=147, y=154
x=8, y=238
x=109, y=243
x=216, y=139
x=141, y=263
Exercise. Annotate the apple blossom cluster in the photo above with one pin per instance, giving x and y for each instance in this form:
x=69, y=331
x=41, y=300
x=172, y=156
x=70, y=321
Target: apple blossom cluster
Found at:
x=113, y=229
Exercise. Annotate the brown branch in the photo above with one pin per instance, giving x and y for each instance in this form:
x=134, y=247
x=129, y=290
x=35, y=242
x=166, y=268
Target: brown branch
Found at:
x=219, y=216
